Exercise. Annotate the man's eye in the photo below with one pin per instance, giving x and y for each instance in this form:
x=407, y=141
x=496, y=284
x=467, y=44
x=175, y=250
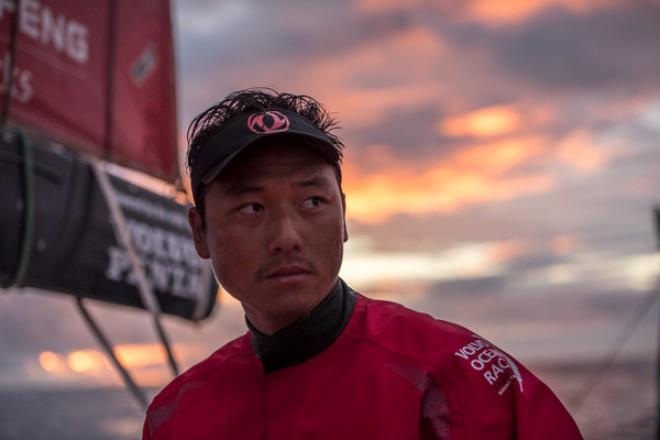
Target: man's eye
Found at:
x=251, y=208
x=312, y=202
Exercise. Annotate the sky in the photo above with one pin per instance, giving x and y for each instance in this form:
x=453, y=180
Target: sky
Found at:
x=501, y=168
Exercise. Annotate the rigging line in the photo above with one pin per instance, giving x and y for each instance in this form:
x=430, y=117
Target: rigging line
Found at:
x=145, y=290
x=28, y=227
x=604, y=366
x=110, y=80
x=107, y=346
x=29, y=208
x=656, y=217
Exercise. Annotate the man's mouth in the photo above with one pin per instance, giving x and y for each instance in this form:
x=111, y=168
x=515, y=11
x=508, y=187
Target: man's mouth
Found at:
x=285, y=274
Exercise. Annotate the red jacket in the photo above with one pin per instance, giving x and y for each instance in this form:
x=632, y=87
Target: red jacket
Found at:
x=391, y=374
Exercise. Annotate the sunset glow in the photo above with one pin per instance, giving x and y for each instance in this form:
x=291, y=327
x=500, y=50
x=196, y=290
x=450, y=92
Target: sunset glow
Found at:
x=145, y=362
x=484, y=122
x=85, y=361
x=578, y=150
x=51, y=362
x=474, y=174
x=507, y=11
x=563, y=244
x=140, y=355
x=366, y=267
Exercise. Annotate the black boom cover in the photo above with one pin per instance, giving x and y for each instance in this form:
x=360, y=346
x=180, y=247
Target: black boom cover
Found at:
x=73, y=248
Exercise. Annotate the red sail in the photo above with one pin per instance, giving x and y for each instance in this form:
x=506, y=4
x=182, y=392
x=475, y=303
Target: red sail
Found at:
x=97, y=75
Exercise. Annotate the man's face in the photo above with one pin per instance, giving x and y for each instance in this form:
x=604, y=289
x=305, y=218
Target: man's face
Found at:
x=274, y=232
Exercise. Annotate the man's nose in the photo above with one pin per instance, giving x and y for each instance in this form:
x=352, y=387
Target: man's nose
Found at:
x=285, y=236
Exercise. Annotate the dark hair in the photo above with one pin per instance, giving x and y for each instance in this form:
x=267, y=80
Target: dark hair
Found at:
x=214, y=119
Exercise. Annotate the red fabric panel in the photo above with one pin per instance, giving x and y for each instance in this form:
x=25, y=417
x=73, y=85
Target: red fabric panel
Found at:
x=60, y=69
x=60, y=78
x=144, y=122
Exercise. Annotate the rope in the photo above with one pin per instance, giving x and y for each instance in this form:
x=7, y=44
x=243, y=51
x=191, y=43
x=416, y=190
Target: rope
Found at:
x=145, y=290
x=603, y=368
x=107, y=346
x=628, y=330
x=28, y=214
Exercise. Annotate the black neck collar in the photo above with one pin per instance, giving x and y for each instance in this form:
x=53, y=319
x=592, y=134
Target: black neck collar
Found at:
x=309, y=335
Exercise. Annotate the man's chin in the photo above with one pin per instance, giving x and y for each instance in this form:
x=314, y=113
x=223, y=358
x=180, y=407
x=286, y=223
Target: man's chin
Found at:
x=294, y=306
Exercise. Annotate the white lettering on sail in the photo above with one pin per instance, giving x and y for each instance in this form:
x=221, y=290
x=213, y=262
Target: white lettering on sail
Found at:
x=37, y=21
x=21, y=80
x=170, y=261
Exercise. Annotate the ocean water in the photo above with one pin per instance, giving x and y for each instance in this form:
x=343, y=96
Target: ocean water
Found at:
x=621, y=407
x=69, y=414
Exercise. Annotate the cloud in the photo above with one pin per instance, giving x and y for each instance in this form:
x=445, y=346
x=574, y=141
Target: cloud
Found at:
x=610, y=271
x=578, y=150
x=362, y=84
x=605, y=210
x=366, y=268
x=388, y=6
x=563, y=244
x=491, y=12
x=473, y=174
x=485, y=122
x=602, y=50
x=503, y=12
x=577, y=322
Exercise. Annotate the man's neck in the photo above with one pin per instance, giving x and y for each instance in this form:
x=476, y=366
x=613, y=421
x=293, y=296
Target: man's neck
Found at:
x=308, y=335
x=271, y=324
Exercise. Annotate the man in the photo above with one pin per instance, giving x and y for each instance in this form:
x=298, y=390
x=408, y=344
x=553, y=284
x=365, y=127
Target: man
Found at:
x=320, y=360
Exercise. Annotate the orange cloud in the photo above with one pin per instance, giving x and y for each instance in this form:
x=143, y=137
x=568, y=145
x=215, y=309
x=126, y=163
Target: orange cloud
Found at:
x=578, y=151
x=487, y=11
x=494, y=121
x=365, y=106
x=474, y=174
x=489, y=121
x=507, y=250
x=507, y=11
x=340, y=81
x=563, y=244
x=498, y=157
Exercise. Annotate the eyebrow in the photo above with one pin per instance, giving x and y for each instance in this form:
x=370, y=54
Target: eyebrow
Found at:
x=316, y=181
x=240, y=188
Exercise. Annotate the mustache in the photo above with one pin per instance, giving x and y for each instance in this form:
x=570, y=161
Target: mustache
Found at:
x=271, y=266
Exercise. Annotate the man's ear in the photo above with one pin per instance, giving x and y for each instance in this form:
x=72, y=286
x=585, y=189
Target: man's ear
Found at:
x=199, y=232
x=343, y=205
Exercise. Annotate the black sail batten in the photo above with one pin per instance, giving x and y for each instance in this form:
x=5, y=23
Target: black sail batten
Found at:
x=74, y=249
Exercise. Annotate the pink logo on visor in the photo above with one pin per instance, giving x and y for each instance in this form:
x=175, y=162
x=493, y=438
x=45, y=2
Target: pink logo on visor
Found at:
x=268, y=122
